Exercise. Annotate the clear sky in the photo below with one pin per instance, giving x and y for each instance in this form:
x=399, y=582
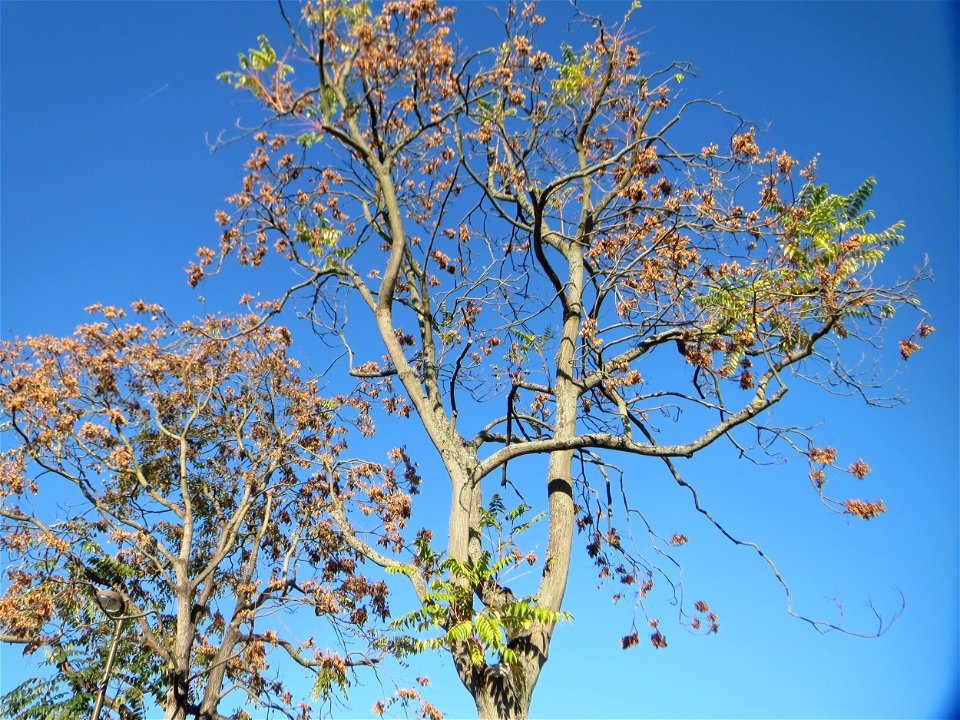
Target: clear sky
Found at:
x=107, y=187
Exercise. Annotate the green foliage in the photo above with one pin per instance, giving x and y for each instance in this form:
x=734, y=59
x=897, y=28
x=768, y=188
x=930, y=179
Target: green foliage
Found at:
x=319, y=238
x=426, y=555
x=829, y=230
x=573, y=74
x=489, y=110
x=326, y=108
x=256, y=61
x=308, y=139
x=352, y=11
x=824, y=243
x=259, y=60
x=77, y=658
x=329, y=679
x=42, y=699
x=449, y=606
x=528, y=342
x=71, y=691
x=107, y=570
x=35, y=699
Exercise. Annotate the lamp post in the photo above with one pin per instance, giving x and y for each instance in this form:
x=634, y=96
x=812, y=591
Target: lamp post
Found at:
x=112, y=604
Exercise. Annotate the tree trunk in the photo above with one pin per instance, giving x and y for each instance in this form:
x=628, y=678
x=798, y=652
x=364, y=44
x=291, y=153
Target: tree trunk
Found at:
x=176, y=709
x=178, y=671
x=502, y=692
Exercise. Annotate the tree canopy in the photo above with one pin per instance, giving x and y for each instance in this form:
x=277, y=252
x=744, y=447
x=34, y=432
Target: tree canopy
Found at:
x=172, y=467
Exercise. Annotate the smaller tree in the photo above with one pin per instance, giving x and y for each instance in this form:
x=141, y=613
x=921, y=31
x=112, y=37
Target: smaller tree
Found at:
x=174, y=466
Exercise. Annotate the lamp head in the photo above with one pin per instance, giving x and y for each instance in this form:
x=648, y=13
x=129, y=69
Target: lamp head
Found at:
x=110, y=601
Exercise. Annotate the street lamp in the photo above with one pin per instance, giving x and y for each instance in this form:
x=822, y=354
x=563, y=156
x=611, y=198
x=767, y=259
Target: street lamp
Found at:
x=113, y=604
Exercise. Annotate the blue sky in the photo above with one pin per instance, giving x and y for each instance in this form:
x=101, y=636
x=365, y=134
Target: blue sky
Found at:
x=107, y=187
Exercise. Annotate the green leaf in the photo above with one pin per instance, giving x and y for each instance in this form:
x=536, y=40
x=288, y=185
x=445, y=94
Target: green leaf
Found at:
x=264, y=57
x=517, y=512
x=308, y=139
x=476, y=654
x=459, y=632
x=489, y=631
x=532, y=521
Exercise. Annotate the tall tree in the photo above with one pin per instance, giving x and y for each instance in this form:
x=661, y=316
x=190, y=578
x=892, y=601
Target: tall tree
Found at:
x=173, y=468
x=538, y=266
